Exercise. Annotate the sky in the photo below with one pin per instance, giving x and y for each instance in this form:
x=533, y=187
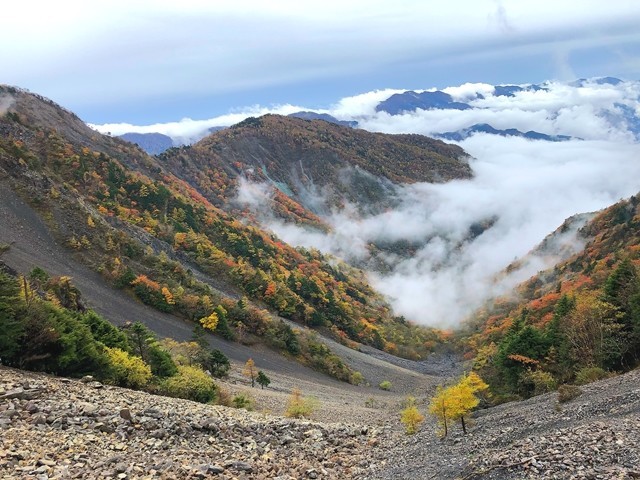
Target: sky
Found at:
x=150, y=61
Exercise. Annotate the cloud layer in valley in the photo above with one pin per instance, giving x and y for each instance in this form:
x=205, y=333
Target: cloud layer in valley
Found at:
x=523, y=189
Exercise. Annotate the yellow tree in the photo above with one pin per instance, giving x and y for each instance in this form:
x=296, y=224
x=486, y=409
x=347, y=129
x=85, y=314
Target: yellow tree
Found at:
x=439, y=408
x=250, y=371
x=411, y=417
x=458, y=400
x=210, y=322
x=168, y=296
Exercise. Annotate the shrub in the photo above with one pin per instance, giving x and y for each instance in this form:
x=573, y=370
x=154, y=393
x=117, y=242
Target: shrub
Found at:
x=224, y=397
x=356, y=378
x=568, y=392
x=539, y=381
x=243, y=400
x=191, y=383
x=160, y=361
x=216, y=362
x=385, y=385
x=299, y=406
x=103, y=331
x=590, y=374
x=127, y=370
x=411, y=417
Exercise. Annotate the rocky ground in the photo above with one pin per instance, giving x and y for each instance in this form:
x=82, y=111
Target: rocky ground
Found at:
x=59, y=428
x=593, y=436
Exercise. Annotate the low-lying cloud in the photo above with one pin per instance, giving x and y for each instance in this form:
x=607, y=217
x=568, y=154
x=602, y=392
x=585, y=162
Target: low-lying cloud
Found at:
x=6, y=101
x=522, y=190
x=589, y=110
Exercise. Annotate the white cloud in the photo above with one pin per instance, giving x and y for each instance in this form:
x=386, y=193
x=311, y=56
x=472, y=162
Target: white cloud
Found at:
x=523, y=189
x=589, y=111
x=188, y=130
x=361, y=105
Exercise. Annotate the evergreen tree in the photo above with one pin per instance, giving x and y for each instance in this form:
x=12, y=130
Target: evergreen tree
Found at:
x=222, y=328
x=558, y=359
x=622, y=290
x=263, y=380
x=11, y=329
x=522, y=340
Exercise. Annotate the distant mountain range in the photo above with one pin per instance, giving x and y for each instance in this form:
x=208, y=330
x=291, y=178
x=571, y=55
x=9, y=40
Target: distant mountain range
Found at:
x=460, y=135
x=589, y=109
x=152, y=143
x=410, y=101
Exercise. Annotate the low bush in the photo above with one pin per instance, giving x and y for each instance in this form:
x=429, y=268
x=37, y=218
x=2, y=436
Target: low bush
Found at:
x=385, y=385
x=299, y=406
x=243, y=400
x=590, y=374
x=126, y=370
x=411, y=417
x=538, y=381
x=568, y=392
x=191, y=383
x=224, y=397
x=356, y=378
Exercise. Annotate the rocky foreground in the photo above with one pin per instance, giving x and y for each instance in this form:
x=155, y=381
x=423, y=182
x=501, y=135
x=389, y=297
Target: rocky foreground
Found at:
x=59, y=428
x=593, y=436
x=52, y=428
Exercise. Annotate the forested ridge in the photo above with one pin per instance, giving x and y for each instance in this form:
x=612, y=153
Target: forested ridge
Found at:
x=575, y=323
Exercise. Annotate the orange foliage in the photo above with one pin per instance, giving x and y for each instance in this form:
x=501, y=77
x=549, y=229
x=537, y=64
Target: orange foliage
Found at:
x=545, y=301
x=147, y=282
x=523, y=359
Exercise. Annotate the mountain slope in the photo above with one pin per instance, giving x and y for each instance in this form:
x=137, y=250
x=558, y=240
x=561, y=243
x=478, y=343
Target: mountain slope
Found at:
x=146, y=230
x=303, y=158
x=572, y=323
x=591, y=436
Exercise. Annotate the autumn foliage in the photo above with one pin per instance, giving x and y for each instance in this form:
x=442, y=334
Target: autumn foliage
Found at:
x=457, y=401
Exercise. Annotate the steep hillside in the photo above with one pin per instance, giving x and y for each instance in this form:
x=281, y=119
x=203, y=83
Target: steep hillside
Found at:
x=126, y=215
x=306, y=159
x=574, y=322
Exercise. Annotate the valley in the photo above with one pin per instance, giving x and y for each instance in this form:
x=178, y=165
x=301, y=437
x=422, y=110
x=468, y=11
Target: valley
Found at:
x=197, y=257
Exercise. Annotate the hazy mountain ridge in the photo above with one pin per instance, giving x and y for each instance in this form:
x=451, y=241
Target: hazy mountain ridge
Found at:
x=323, y=116
x=590, y=109
x=307, y=160
x=152, y=143
x=511, y=132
